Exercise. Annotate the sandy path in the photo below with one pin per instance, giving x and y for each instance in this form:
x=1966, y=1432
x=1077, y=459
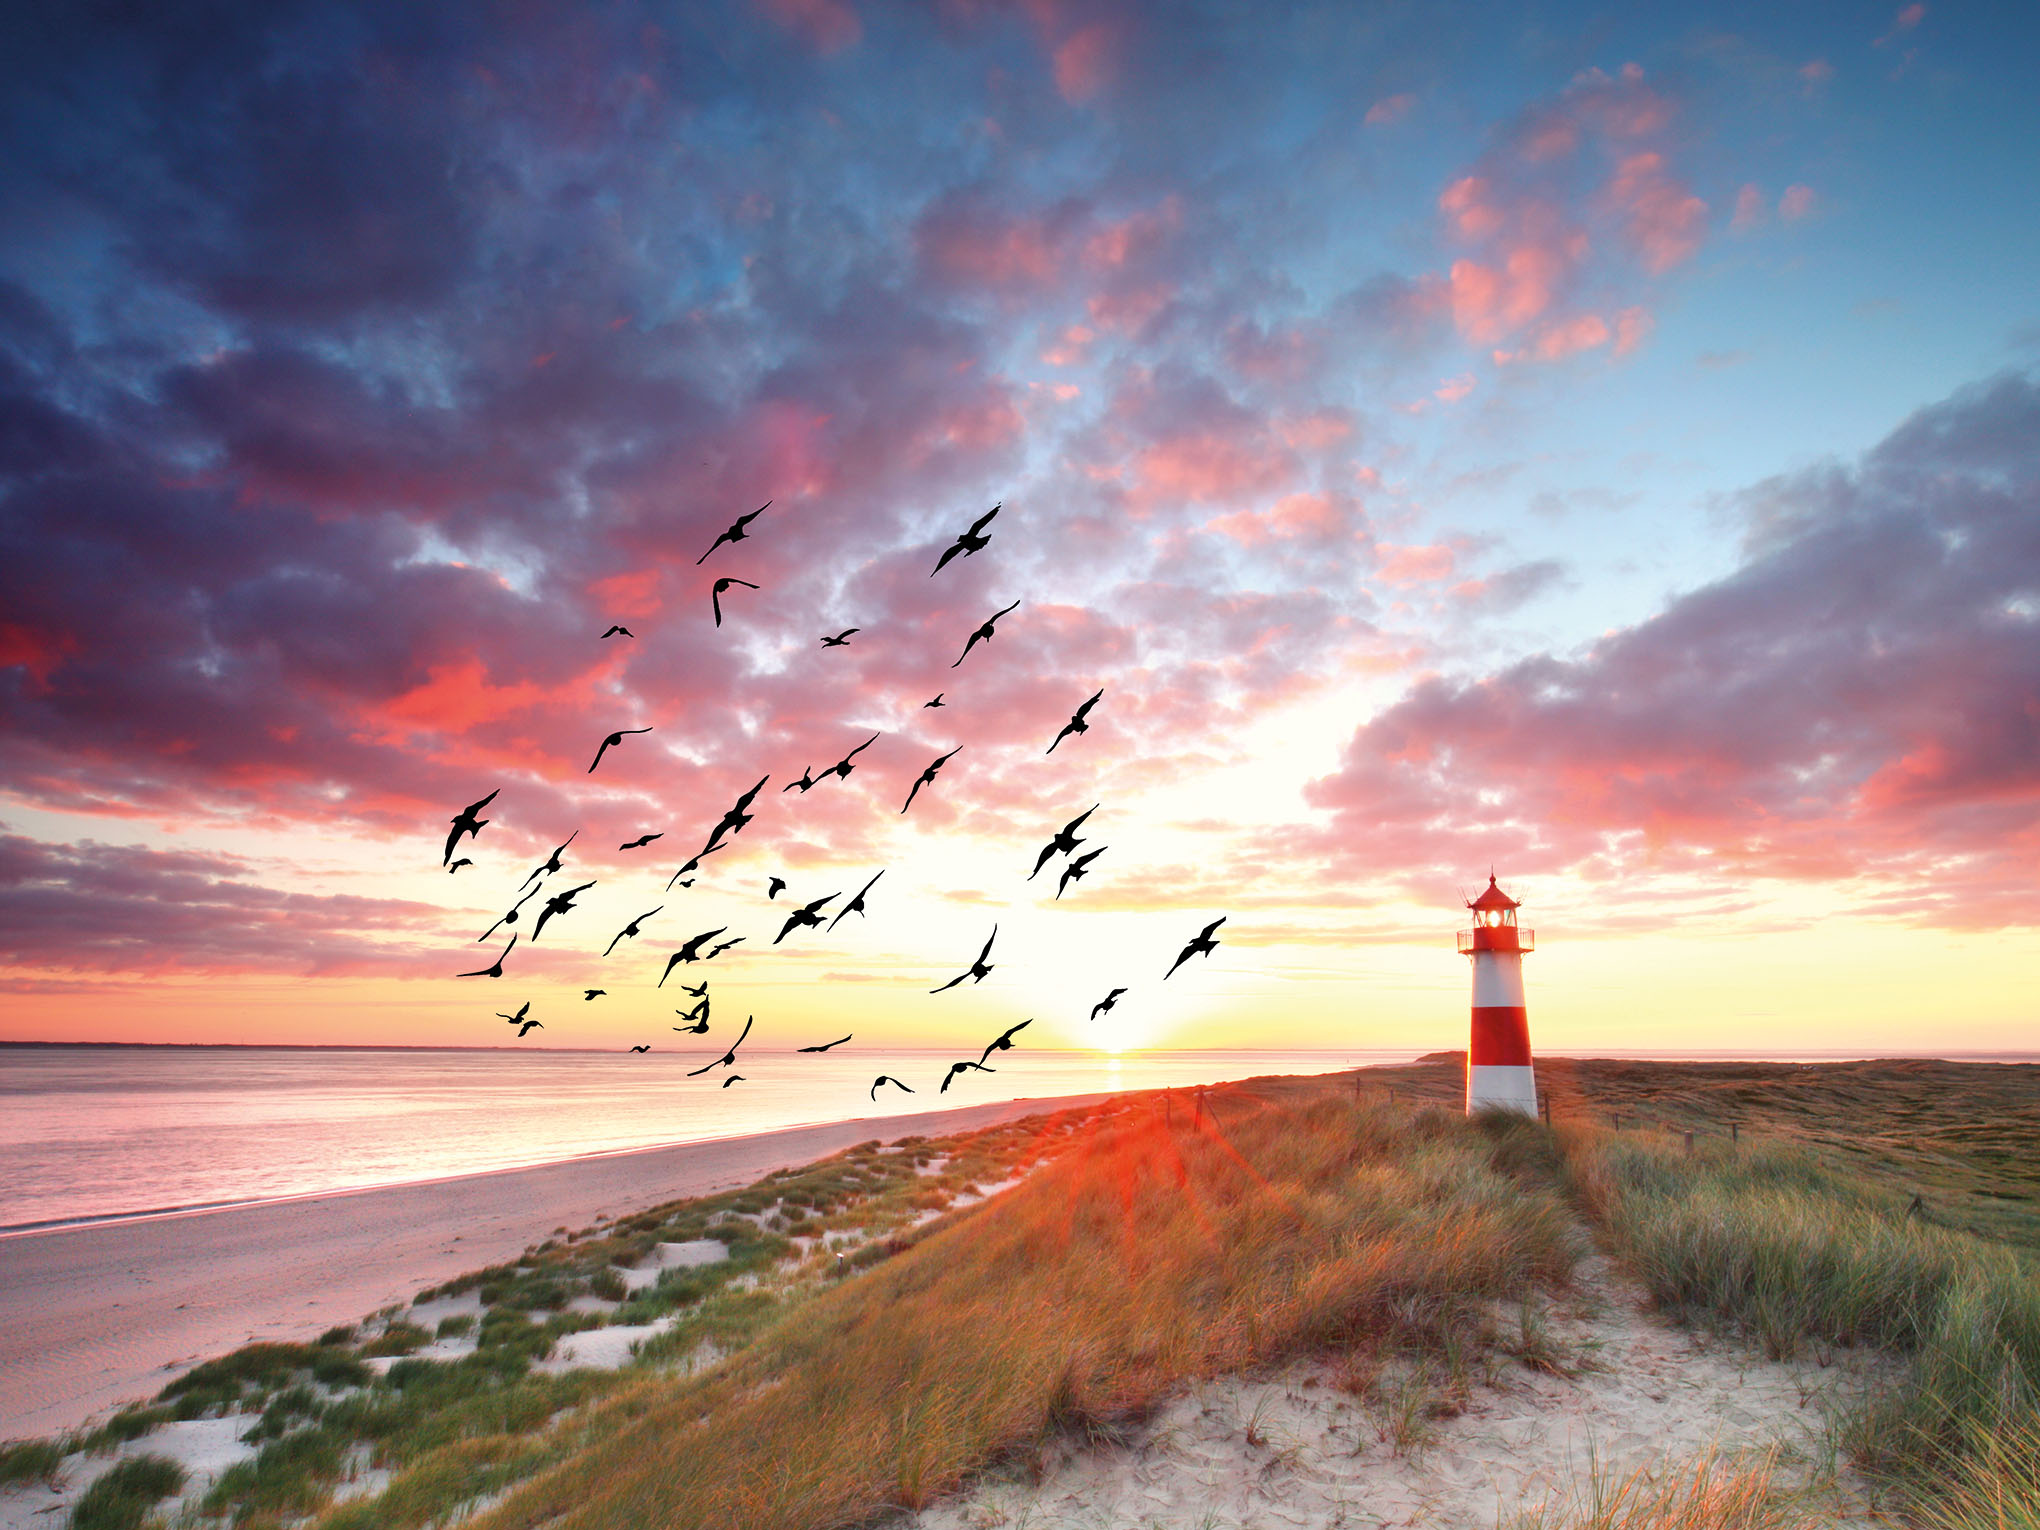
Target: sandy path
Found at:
x=97, y=1315
x=1292, y=1449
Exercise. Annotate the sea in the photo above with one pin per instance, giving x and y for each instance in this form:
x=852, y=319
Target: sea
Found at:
x=91, y=1133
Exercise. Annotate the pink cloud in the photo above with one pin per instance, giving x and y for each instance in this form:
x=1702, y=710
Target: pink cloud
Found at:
x=1632, y=328
x=1085, y=61
x=1453, y=389
x=1908, y=18
x=1750, y=208
x=1410, y=565
x=1070, y=347
x=827, y=26
x=1474, y=215
x=1556, y=341
x=1208, y=467
x=1796, y=203
x=1665, y=220
x=1317, y=430
x=1816, y=72
x=1389, y=109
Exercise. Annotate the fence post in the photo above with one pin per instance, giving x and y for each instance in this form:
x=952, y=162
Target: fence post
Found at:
x=1734, y=1131
x=1546, y=1103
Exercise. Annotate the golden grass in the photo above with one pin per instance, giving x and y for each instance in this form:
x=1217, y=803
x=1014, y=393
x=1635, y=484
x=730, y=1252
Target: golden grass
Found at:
x=1708, y=1493
x=1286, y=1221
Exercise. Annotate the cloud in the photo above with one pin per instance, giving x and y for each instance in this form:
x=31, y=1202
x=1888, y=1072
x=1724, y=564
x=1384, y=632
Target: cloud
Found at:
x=1750, y=208
x=1389, y=109
x=1796, y=203
x=1857, y=704
x=827, y=26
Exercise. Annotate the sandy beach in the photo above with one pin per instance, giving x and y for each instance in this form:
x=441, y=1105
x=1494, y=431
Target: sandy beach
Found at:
x=95, y=1315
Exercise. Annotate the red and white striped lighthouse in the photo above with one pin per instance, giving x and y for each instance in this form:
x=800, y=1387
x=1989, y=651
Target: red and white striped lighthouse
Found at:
x=1498, y=1071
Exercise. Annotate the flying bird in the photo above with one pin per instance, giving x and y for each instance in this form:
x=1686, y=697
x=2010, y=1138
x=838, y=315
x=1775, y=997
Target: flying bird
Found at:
x=698, y=1013
x=1074, y=871
x=698, y=1028
x=528, y=1027
x=618, y=631
x=956, y=1068
x=775, y=887
x=736, y=532
x=841, y=639
x=808, y=917
x=463, y=861
x=886, y=1078
x=977, y=971
x=983, y=634
x=1076, y=724
x=843, y=767
x=631, y=930
x=936, y=702
x=518, y=1018
x=609, y=743
x=509, y=918
x=717, y=950
x=729, y=1058
x=1200, y=945
x=806, y=783
x=495, y=968
x=645, y=1048
x=558, y=903
x=1104, y=1005
x=1064, y=840
x=967, y=542
x=827, y=1044
x=552, y=862
x=702, y=991
x=927, y=776
x=856, y=904
x=1005, y=1042
x=715, y=593
x=734, y=1078
x=592, y=994
x=465, y=822
x=693, y=862
x=691, y=952
x=734, y=820
x=642, y=840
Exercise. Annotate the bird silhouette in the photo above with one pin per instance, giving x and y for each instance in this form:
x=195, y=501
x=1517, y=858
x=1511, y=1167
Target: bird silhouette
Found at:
x=1076, y=724
x=977, y=971
x=702, y=991
x=528, y=1027
x=619, y=631
x=967, y=542
x=827, y=1044
x=698, y=1028
x=463, y=861
x=806, y=783
x=982, y=635
x=715, y=594
x=729, y=1058
x=558, y=903
x=642, y=840
x=691, y=952
x=1074, y=871
x=645, y=1048
x=698, y=1013
x=609, y=743
x=592, y=994
x=936, y=702
x=518, y=1018
x=717, y=950
x=630, y=929
x=734, y=820
x=775, y=887
x=843, y=767
x=734, y=1078
x=886, y=1078
x=856, y=904
x=1064, y=840
x=1104, y=1005
x=927, y=776
x=509, y=918
x=808, y=917
x=956, y=1068
x=551, y=863
x=693, y=861
x=465, y=822
x=736, y=533
x=495, y=968
x=1200, y=945
x=841, y=639
x=1005, y=1042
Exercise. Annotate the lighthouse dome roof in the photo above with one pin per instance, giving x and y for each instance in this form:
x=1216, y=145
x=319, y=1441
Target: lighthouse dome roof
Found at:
x=1494, y=897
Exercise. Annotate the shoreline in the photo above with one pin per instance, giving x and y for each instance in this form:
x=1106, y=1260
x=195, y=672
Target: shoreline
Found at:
x=94, y=1314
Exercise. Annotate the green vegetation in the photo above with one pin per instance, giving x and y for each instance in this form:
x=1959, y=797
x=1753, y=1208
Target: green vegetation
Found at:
x=399, y=1338
x=123, y=1497
x=1707, y=1494
x=456, y=1325
x=30, y=1461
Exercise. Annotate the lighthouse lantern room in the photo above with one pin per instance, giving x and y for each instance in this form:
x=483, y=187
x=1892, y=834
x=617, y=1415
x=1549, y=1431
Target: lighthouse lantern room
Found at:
x=1498, y=1071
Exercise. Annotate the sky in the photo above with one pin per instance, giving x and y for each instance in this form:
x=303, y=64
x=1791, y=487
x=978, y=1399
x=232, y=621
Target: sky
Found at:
x=1595, y=446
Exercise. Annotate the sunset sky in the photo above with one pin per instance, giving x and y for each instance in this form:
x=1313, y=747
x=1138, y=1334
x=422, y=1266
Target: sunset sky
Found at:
x=1602, y=444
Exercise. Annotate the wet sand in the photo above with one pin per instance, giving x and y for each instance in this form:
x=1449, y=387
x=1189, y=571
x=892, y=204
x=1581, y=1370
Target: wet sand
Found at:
x=93, y=1316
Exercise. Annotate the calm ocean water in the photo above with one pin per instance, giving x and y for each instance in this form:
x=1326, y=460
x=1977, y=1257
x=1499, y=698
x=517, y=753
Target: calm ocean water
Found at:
x=107, y=1131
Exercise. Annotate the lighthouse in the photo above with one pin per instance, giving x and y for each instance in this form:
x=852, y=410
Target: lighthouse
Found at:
x=1498, y=1071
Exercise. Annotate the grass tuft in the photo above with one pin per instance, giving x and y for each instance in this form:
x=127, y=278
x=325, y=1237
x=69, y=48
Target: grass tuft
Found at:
x=30, y=1461
x=123, y=1497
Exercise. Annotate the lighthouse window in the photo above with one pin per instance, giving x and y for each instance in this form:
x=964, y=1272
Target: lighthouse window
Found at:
x=1493, y=917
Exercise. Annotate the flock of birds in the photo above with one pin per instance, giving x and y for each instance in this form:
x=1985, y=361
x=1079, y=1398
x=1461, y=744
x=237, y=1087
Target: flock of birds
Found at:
x=705, y=947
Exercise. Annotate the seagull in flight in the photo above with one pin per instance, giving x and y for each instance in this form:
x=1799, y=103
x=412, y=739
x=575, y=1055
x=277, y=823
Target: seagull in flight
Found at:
x=698, y=1028
x=983, y=634
x=855, y=905
x=734, y=1078
x=927, y=777
x=1074, y=871
x=774, y=888
x=631, y=930
x=495, y=968
x=806, y=783
x=977, y=971
x=841, y=639
x=1200, y=945
x=609, y=743
x=886, y=1078
x=698, y=1013
x=809, y=917
x=509, y=918
x=843, y=767
x=967, y=542
x=717, y=950
x=702, y=991
x=715, y=594
x=465, y=822
x=691, y=864
x=528, y=1027
x=729, y=1058
x=734, y=820
x=936, y=702
x=1076, y=724
x=827, y=1044
x=642, y=840
x=1005, y=1042
x=463, y=861
x=1104, y=1005
x=518, y=1018
x=558, y=903
x=551, y=863
x=645, y=1048
x=591, y=994
x=691, y=952
x=956, y=1068
x=1065, y=840
x=736, y=533
x=618, y=631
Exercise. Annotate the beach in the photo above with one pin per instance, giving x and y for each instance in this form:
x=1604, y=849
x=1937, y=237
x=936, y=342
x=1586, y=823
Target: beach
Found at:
x=98, y=1314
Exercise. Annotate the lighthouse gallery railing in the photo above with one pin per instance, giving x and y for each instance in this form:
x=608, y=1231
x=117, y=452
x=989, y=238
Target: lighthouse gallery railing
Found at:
x=1501, y=937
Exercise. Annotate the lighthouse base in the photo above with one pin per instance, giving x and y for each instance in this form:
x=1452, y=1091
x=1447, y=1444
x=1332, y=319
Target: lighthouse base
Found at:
x=1491, y=1086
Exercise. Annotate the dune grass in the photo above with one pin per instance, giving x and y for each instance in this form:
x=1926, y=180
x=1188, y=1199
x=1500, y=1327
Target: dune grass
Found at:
x=1144, y=1256
x=1994, y=1486
x=1707, y=1493
x=124, y=1496
x=30, y=1461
